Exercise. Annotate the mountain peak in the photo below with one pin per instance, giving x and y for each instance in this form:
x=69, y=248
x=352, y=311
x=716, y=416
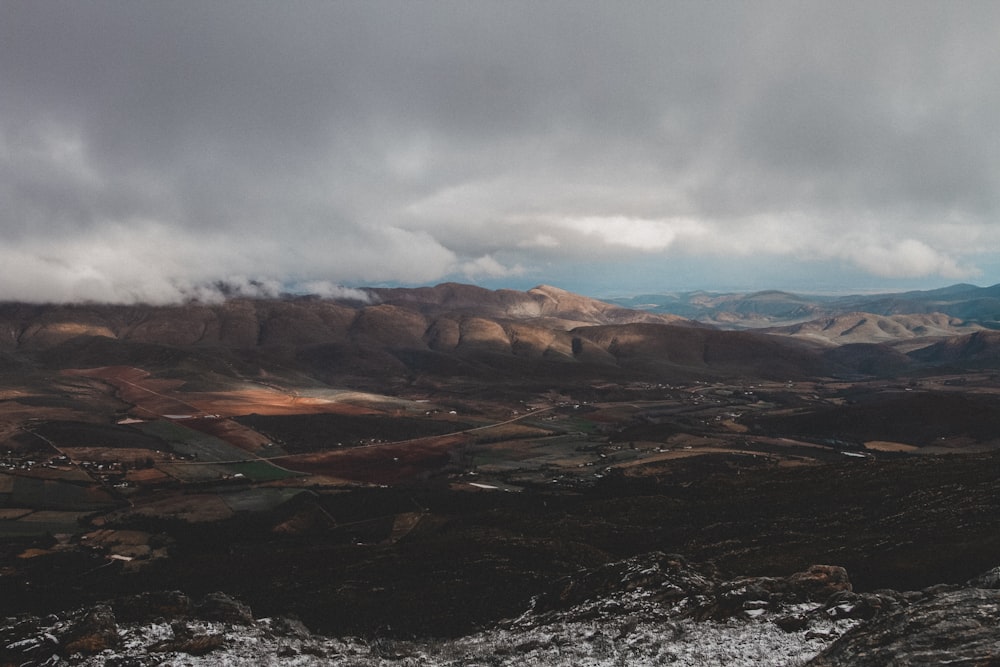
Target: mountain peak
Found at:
x=548, y=289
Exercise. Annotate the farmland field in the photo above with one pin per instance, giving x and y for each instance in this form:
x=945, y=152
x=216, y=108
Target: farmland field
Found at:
x=305, y=433
x=52, y=494
x=24, y=523
x=190, y=443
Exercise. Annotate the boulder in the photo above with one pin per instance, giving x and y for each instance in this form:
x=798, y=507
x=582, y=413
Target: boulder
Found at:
x=93, y=632
x=818, y=582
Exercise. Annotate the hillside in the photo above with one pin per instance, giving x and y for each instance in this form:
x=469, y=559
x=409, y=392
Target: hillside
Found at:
x=856, y=327
x=978, y=350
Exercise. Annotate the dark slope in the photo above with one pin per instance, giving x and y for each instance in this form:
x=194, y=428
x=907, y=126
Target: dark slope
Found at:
x=980, y=350
x=869, y=359
x=657, y=348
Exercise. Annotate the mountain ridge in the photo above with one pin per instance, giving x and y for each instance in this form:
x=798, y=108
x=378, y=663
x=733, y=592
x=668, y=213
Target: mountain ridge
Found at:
x=468, y=330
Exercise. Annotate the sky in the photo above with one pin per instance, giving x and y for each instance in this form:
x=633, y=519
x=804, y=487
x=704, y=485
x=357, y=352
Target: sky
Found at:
x=150, y=151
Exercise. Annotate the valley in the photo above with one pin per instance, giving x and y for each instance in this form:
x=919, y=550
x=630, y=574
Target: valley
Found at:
x=371, y=472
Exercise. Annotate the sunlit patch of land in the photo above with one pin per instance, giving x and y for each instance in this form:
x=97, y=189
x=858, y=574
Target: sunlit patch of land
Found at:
x=885, y=446
x=266, y=401
x=151, y=396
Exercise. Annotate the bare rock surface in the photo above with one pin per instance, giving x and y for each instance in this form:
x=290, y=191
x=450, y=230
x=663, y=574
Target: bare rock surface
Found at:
x=667, y=584
x=960, y=627
x=652, y=609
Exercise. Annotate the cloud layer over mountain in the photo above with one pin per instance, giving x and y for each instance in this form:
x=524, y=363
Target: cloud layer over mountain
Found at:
x=150, y=149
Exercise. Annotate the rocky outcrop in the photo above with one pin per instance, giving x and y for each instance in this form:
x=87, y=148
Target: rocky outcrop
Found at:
x=32, y=641
x=988, y=579
x=28, y=641
x=655, y=608
x=960, y=627
x=939, y=625
x=658, y=584
x=640, y=584
x=936, y=626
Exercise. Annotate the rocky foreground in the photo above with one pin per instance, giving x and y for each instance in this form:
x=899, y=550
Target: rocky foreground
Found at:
x=654, y=609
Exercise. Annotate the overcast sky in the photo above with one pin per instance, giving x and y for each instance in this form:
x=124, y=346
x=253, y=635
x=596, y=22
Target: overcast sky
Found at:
x=149, y=149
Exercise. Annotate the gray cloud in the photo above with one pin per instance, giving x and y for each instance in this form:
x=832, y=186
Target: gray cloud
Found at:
x=148, y=150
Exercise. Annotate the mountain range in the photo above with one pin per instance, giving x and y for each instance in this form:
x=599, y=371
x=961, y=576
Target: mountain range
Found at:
x=458, y=330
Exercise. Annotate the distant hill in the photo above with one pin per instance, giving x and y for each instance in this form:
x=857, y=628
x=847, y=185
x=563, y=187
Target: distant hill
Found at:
x=913, y=319
x=857, y=327
x=732, y=308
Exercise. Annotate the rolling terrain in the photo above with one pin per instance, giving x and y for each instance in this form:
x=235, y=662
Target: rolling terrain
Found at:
x=951, y=307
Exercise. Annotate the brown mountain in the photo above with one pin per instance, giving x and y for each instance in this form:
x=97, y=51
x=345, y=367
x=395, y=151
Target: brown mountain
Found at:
x=447, y=330
x=544, y=304
x=400, y=317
